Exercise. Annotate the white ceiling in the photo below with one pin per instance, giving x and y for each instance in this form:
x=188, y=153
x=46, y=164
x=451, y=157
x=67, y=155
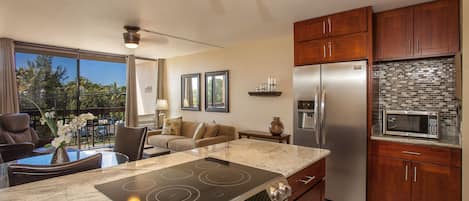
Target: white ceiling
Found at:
x=98, y=24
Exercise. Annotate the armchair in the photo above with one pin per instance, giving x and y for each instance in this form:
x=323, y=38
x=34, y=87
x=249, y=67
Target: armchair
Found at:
x=15, y=129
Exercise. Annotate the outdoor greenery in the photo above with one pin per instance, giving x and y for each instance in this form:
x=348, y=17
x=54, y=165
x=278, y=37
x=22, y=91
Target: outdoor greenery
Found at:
x=47, y=85
x=218, y=91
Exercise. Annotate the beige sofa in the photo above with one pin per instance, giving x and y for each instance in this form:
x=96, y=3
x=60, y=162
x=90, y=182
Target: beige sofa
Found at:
x=186, y=140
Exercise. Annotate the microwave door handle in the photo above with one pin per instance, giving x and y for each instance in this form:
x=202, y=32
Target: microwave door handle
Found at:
x=316, y=116
x=323, y=105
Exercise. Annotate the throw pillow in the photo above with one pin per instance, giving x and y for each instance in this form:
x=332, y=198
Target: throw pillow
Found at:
x=211, y=130
x=199, y=132
x=172, y=126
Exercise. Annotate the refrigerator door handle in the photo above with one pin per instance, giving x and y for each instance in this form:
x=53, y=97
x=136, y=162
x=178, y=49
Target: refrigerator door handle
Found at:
x=316, y=115
x=323, y=105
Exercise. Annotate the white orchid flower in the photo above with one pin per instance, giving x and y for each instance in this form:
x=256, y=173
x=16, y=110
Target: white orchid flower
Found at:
x=64, y=131
x=43, y=121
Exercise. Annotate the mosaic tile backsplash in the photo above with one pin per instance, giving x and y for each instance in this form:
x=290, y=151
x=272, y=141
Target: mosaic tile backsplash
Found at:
x=419, y=85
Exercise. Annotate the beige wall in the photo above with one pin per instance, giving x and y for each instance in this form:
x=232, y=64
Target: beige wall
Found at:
x=249, y=65
x=465, y=49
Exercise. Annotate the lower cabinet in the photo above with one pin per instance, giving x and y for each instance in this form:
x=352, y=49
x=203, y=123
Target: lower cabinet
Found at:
x=314, y=194
x=432, y=182
x=308, y=184
x=403, y=172
x=389, y=179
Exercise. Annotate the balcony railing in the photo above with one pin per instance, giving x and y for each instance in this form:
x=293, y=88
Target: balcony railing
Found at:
x=99, y=132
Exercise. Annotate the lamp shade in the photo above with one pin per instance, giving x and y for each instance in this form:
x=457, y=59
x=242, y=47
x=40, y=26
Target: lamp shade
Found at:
x=162, y=104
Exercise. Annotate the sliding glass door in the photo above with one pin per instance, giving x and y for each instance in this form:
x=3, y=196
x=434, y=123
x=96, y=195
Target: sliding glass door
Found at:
x=70, y=86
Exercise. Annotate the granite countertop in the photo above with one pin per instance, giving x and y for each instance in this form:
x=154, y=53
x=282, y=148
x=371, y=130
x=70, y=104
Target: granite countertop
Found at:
x=444, y=141
x=281, y=158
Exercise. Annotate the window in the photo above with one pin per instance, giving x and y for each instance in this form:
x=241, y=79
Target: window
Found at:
x=70, y=86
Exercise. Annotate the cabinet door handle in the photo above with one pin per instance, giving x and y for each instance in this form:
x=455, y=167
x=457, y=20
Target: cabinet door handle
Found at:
x=406, y=172
x=330, y=49
x=418, y=45
x=411, y=153
x=324, y=27
x=415, y=174
x=308, y=179
x=410, y=46
x=325, y=54
x=330, y=24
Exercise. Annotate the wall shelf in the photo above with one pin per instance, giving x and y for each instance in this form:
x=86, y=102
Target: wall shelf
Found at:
x=265, y=93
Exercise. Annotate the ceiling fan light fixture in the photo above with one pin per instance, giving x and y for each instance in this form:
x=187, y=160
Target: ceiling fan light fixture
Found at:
x=131, y=37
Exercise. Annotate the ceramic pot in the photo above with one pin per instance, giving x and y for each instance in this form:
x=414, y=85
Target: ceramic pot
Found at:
x=60, y=156
x=276, y=126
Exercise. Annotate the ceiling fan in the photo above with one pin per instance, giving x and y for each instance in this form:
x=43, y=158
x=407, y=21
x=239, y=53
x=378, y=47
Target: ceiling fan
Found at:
x=132, y=37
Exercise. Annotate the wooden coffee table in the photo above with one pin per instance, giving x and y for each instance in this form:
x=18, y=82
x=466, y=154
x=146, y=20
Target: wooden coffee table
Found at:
x=264, y=135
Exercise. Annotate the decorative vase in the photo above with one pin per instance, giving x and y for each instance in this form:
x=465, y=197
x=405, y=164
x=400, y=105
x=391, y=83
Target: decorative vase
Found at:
x=60, y=156
x=276, y=127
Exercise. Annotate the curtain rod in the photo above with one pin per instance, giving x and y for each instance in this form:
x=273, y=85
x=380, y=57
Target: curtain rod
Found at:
x=68, y=50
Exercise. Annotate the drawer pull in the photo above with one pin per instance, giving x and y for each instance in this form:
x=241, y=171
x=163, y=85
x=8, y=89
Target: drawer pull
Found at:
x=308, y=179
x=411, y=153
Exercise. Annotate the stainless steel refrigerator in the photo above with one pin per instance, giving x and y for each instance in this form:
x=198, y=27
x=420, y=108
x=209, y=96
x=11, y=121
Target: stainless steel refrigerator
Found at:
x=330, y=113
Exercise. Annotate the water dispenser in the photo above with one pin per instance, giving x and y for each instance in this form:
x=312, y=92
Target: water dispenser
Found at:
x=306, y=114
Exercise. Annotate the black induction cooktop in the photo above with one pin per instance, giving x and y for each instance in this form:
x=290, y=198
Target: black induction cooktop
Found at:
x=206, y=179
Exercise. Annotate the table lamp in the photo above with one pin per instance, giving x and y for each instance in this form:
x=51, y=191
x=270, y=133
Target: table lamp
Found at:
x=161, y=107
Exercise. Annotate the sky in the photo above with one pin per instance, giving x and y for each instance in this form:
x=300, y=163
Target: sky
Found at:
x=97, y=71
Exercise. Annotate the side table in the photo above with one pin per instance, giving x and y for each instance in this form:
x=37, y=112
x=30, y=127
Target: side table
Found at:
x=264, y=135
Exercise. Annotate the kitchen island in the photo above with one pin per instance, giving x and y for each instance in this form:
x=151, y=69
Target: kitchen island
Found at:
x=288, y=160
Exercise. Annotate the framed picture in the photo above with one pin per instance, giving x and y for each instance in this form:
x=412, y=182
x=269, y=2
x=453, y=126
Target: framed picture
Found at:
x=190, y=92
x=217, y=93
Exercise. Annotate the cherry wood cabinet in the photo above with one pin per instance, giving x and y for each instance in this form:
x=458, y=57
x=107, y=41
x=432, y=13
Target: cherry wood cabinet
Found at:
x=432, y=182
x=389, y=179
x=315, y=194
x=339, y=37
x=394, y=34
x=310, y=29
x=347, y=47
x=436, y=28
x=308, y=184
x=407, y=172
x=425, y=30
x=348, y=22
x=310, y=52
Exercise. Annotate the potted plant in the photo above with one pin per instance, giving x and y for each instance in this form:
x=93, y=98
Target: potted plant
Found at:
x=62, y=132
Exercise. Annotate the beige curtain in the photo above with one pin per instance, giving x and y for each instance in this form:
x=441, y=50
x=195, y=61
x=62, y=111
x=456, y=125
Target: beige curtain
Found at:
x=131, y=115
x=161, y=64
x=8, y=86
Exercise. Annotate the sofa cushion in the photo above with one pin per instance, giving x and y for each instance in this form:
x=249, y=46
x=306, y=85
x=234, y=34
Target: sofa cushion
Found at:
x=172, y=126
x=188, y=128
x=181, y=144
x=199, y=132
x=162, y=140
x=226, y=131
x=211, y=130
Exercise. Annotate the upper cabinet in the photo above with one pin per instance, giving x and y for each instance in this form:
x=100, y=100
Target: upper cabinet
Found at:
x=436, y=28
x=311, y=29
x=338, y=37
x=425, y=30
x=348, y=22
x=394, y=34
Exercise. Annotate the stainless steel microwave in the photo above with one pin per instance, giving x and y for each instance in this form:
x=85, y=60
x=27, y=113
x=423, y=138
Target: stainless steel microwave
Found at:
x=422, y=124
